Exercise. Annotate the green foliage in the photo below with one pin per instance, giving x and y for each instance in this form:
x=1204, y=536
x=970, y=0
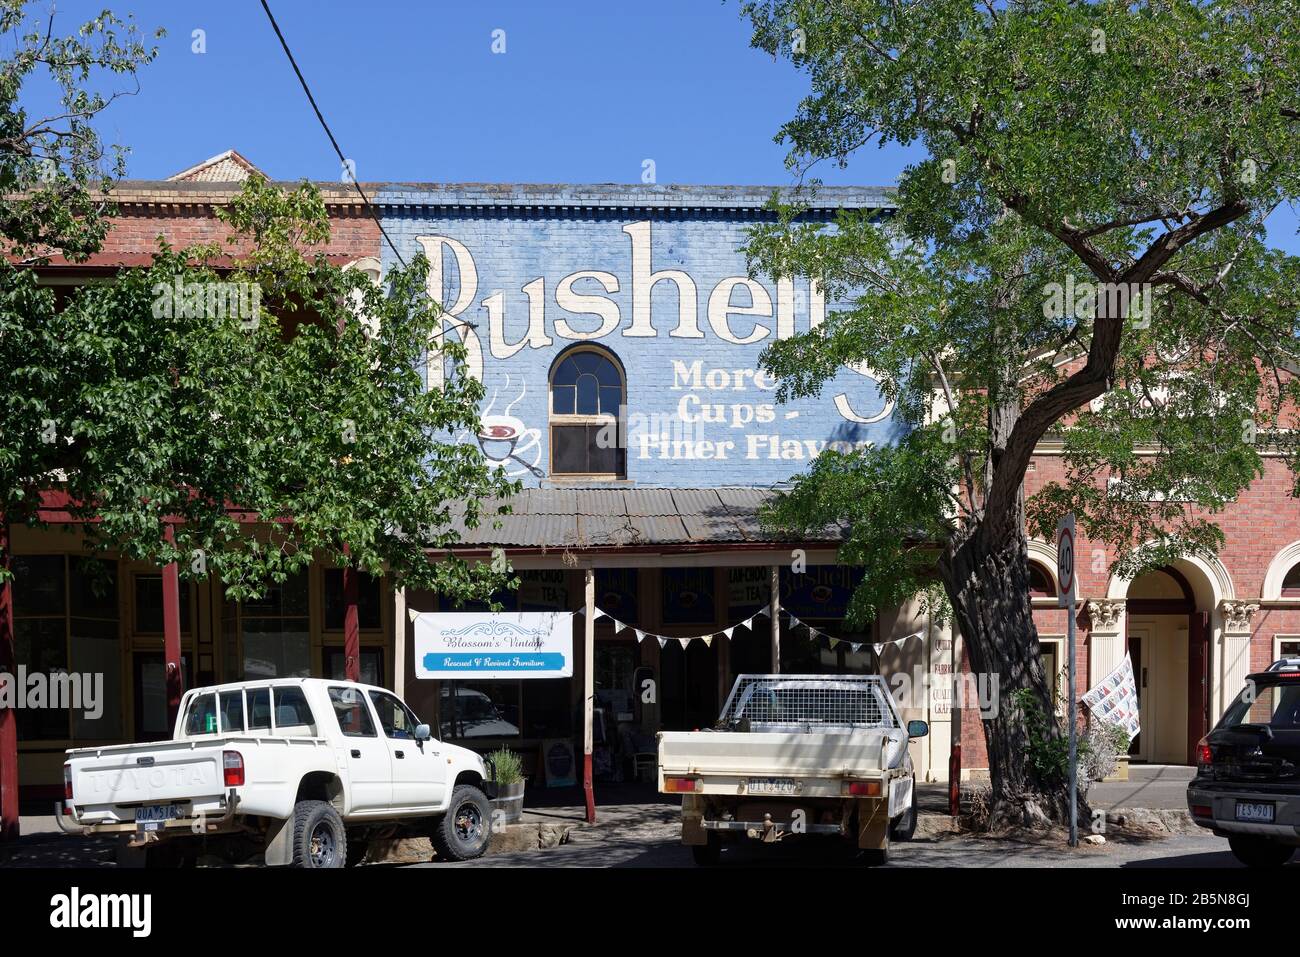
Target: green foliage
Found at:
x=1064, y=143
x=510, y=770
x=1048, y=750
x=310, y=415
x=54, y=169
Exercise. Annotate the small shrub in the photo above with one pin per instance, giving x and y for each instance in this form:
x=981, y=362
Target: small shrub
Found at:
x=510, y=770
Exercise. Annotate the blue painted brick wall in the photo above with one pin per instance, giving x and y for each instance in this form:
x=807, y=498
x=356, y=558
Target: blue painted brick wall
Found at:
x=516, y=235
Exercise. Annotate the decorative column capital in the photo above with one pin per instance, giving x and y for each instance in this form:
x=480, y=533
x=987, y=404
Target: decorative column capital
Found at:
x=1105, y=613
x=1237, y=614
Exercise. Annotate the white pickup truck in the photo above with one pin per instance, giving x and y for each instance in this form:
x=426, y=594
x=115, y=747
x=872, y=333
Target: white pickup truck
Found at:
x=796, y=755
x=304, y=771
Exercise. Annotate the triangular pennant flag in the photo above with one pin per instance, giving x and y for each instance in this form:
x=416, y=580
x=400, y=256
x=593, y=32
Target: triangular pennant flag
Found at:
x=728, y=631
x=413, y=613
x=833, y=642
x=856, y=646
x=762, y=611
x=662, y=640
x=597, y=613
x=684, y=641
x=581, y=611
x=618, y=625
x=878, y=647
x=640, y=635
x=708, y=640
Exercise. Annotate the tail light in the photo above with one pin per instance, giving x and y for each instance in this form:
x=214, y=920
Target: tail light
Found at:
x=1202, y=810
x=681, y=785
x=869, y=789
x=232, y=763
x=1204, y=756
x=67, y=787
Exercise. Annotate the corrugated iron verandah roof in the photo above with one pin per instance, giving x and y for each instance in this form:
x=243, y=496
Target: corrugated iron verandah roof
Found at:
x=603, y=517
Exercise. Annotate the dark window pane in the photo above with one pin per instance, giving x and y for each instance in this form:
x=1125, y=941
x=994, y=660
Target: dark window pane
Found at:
x=395, y=718
x=603, y=460
x=259, y=709
x=566, y=373
x=481, y=710
x=563, y=400
x=608, y=375
x=610, y=400
x=38, y=584
x=289, y=598
x=569, y=448
x=291, y=709
x=1291, y=584
x=587, y=362
x=351, y=713
x=148, y=605
x=372, y=665
x=367, y=600
x=202, y=715
x=588, y=395
x=42, y=647
x=232, y=711
x=92, y=588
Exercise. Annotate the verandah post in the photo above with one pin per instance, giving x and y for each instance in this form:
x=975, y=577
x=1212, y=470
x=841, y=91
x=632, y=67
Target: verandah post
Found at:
x=9, y=828
x=171, y=602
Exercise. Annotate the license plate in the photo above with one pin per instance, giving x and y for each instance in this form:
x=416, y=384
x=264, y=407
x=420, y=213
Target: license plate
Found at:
x=1255, y=811
x=153, y=816
x=773, y=786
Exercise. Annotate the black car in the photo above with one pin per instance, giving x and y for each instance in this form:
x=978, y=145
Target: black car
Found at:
x=1247, y=784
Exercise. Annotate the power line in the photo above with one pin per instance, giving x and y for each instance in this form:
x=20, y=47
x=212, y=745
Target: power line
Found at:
x=374, y=214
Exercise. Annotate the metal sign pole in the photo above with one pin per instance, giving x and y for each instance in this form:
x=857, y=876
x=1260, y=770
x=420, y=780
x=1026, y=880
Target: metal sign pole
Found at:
x=1074, y=739
x=1065, y=569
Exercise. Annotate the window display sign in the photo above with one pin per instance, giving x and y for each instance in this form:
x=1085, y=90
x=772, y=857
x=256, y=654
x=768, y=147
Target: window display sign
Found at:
x=688, y=596
x=823, y=591
x=616, y=592
x=543, y=590
x=748, y=589
x=483, y=645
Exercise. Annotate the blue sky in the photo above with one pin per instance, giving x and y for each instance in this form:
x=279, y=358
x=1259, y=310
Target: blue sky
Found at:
x=586, y=91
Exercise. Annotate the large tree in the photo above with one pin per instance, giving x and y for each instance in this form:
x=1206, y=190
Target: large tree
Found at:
x=1136, y=148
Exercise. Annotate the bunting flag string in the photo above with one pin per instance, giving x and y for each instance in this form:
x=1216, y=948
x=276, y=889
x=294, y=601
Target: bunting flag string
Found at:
x=813, y=633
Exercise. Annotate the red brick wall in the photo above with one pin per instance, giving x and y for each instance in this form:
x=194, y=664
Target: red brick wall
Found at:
x=1263, y=520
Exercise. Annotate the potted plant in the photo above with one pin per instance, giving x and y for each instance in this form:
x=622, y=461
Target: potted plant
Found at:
x=510, y=784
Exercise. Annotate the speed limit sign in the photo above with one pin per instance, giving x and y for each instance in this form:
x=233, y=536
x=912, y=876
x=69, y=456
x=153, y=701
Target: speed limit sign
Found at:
x=1065, y=560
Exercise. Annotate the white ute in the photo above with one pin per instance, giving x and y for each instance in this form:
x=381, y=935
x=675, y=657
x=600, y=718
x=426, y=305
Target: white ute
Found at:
x=304, y=771
x=796, y=755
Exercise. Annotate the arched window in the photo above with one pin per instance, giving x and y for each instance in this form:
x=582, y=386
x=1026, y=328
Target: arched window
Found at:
x=1040, y=582
x=588, y=390
x=1291, y=583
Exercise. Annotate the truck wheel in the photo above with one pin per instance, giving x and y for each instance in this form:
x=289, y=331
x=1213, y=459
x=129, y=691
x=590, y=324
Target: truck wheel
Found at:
x=903, y=827
x=707, y=855
x=1259, y=852
x=462, y=833
x=319, y=839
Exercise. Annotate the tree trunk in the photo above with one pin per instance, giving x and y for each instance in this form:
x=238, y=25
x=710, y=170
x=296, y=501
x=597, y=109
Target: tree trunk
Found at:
x=989, y=591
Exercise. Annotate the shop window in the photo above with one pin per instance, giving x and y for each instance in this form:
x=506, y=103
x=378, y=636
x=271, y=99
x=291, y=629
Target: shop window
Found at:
x=368, y=599
x=480, y=709
x=275, y=631
x=66, y=630
x=371, y=660
x=149, y=605
x=1040, y=582
x=588, y=391
x=1291, y=584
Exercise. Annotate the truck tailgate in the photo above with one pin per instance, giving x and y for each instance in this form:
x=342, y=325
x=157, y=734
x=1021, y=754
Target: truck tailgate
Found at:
x=728, y=753
x=140, y=774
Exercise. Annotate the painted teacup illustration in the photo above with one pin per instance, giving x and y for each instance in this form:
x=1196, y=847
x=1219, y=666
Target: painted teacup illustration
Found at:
x=503, y=437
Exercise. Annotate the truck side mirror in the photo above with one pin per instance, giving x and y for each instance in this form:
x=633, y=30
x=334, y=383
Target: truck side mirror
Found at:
x=422, y=732
x=917, y=729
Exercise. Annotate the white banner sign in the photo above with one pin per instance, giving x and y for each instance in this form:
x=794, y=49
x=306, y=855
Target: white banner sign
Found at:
x=487, y=646
x=1115, y=700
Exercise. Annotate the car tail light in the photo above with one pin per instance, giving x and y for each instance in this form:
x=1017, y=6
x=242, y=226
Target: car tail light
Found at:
x=67, y=787
x=869, y=789
x=1202, y=810
x=681, y=785
x=1204, y=756
x=232, y=763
